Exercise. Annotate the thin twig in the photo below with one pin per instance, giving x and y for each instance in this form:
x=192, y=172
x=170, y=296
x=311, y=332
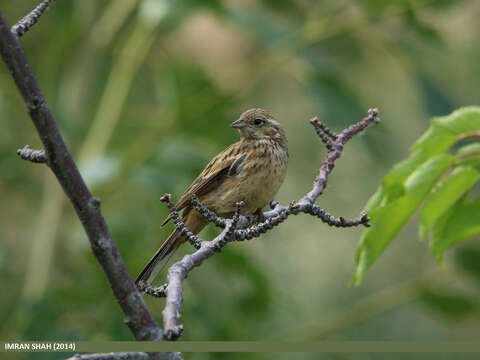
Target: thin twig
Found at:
x=35, y=156
x=331, y=220
x=334, y=153
x=137, y=316
x=160, y=291
x=272, y=221
x=31, y=19
x=179, y=224
x=207, y=213
x=324, y=133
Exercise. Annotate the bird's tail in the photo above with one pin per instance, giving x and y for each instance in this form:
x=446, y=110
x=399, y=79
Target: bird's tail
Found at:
x=161, y=257
x=194, y=222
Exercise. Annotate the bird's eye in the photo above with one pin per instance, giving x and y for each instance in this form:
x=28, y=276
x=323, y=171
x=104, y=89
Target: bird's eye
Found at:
x=258, y=122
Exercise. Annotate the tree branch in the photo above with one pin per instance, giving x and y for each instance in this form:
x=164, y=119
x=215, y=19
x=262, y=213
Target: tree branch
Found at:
x=31, y=19
x=136, y=315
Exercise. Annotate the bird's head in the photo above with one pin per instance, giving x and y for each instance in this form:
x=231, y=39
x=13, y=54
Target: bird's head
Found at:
x=257, y=124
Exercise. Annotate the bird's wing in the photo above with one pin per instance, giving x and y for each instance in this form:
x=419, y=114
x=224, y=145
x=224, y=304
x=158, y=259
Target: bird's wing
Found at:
x=224, y=164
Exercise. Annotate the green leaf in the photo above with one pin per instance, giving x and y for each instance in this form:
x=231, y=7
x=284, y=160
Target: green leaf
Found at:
x=468, y=149
x=450, y=304
x=387, y=220
x=461, y=121
x=435, y=140
x=393, y=181
x=445, y=130
x=469, y=155
x=422, y=180
x=445, y=194
x=461, y=222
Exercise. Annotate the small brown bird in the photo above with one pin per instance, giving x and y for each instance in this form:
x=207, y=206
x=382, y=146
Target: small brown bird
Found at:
x=251, y=170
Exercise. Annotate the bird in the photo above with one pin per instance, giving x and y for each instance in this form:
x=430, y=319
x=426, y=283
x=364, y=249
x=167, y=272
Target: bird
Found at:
x=249, y=171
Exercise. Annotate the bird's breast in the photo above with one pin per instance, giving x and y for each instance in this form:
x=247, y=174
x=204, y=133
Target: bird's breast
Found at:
x=256, y=181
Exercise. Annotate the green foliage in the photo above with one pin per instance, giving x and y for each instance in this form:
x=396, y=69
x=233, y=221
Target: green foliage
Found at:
x=434, y=177
x=445, y=195
x=458, y=223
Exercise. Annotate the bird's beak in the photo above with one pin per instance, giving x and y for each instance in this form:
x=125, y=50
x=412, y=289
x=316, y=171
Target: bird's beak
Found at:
x=238, y=123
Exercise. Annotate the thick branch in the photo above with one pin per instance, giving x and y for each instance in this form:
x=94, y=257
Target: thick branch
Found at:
x=31, y=19
x=137, y=316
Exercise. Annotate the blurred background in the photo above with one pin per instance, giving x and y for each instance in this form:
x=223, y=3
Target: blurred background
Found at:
x=144, y=93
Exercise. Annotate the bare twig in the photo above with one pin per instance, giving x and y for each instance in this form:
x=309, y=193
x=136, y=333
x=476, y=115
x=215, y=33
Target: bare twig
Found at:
x=272, y=221
x=179, y=224
x=333, y=154
x=324, y=133
x=320, y=127
x=137, y=316
x=31, y=19
x=207, y=213
x=331, y=220
x=160, y=291
x=35, y=156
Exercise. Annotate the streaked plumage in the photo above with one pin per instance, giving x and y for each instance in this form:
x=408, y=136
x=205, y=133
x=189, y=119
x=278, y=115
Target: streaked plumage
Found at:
x=250, y=170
